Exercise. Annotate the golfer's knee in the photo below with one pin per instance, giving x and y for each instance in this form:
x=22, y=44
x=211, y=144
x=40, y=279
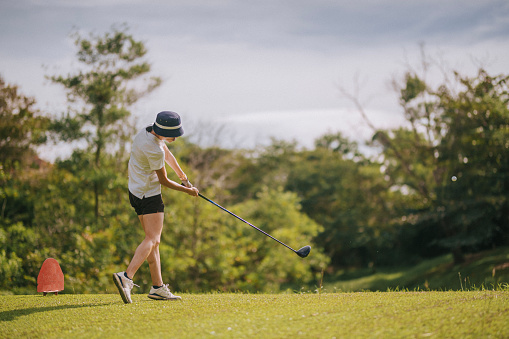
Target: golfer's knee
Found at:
x=154, y=242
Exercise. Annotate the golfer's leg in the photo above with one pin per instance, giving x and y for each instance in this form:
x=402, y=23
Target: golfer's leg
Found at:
x=153, y=226
x=154, y=263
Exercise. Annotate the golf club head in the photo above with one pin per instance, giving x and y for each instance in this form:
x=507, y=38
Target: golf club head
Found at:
x=304, y=251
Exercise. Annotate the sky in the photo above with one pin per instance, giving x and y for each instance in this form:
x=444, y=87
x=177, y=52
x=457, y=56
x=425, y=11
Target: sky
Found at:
x=241, y=72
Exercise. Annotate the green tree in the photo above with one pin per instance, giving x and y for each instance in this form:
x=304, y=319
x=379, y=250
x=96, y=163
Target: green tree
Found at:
x=347, y=194
x=267, y=166
x=203, y=248
x=22, y=126
x=66, y=229
x=409, y=153
x=111, y=79
x=474, y=206
x=265, y=264
x=457, y=130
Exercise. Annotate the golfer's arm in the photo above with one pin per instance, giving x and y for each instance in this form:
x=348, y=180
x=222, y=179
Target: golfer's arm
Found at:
x=163, y=179
x=172, y=162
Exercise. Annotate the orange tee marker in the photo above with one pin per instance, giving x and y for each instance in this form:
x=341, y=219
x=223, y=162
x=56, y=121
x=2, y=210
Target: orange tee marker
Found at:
x=50, y=278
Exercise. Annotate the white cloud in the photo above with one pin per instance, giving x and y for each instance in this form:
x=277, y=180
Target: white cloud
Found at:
x=304, y=126
x=231, y=61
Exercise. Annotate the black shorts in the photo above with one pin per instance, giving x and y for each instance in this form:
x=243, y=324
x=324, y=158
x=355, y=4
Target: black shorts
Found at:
x=146, y=205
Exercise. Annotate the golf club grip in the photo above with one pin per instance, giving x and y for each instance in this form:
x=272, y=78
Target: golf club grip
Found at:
x=253, y=226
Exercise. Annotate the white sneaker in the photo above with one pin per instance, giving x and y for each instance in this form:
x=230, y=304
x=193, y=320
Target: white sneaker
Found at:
x=162, y=293
x=124, y=285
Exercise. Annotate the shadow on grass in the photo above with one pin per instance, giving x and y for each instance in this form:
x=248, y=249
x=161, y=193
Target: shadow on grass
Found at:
x=13, y=314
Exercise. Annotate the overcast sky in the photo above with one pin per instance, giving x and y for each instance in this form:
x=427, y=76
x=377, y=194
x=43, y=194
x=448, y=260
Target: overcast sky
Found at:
x=260, y=68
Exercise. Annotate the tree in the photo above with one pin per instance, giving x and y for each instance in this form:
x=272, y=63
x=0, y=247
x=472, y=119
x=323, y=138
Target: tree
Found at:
x=458, y=132
x=474, y=207
x=203, y=248
x=347, y=194
x=22, y=128
x=107, y=84
x=21, y=125
x=261, y=263
x=268, y=166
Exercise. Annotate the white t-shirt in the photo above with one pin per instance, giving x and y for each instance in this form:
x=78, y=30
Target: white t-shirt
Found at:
x=147, y=156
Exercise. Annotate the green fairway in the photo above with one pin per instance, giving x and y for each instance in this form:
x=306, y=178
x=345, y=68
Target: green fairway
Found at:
x=341, y=315
x=483, y=269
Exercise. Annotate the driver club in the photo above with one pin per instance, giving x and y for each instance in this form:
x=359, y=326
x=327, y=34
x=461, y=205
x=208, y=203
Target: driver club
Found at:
x=303, y=252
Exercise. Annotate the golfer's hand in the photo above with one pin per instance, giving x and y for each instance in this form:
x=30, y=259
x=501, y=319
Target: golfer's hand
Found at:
x=187, y=183
x=193, y=191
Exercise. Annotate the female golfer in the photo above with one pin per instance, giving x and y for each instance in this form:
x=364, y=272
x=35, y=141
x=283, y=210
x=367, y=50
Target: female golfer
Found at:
x=147, y=173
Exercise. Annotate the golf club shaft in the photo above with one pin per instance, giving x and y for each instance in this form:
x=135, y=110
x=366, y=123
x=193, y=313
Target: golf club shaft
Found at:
x=253, y=226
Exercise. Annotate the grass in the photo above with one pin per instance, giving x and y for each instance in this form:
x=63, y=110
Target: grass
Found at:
x=473, y=302
x=327, y=315
x=435, y=274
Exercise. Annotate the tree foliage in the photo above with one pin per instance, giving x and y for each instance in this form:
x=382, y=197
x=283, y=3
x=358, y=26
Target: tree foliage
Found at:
x=204, y=248
x=475, y=150
x=347, y=194
x=439, y=184
x=22, y=127
x=453, y=134
x=100, y=94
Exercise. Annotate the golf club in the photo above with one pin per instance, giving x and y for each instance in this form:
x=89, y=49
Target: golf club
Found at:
x=303, y=252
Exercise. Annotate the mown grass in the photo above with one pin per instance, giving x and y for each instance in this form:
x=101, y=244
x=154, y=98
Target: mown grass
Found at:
x=471, y=314
x=435, y=274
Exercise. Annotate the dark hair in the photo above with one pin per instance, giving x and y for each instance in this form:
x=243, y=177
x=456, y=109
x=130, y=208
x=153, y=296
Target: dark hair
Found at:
x=149, y=128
